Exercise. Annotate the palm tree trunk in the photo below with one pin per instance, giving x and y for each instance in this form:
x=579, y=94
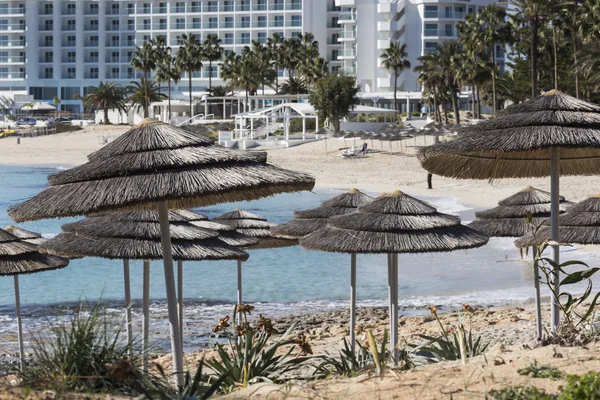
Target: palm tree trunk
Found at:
x=169, y=100
x=435, y=108
x=478, y=104
x=473, y=101
x=395, y=92
x=445, y=108
x=534, y=44
x=455, y=107
x=209, y=74
x=555, y=56
x=494, y=78
x=574, y=40
x=190, y=86
x=276, y=78
x=105, y=116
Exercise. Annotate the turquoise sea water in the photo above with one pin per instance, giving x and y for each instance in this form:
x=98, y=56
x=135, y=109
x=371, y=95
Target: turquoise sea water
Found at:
x=282, y=280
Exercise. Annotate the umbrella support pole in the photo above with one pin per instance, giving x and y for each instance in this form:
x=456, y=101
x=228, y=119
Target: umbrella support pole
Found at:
x=19, y=322
x=394, y=316
x=389, y=263
x=180, y=297
x=239, y=287
x=146, y=310
x=127, y=285
x=176, y=345
x=353, y=301
x=554, y=234
x=538, y=304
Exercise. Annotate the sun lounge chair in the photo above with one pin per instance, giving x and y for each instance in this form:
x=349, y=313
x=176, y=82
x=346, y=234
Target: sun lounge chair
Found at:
x=354, y=152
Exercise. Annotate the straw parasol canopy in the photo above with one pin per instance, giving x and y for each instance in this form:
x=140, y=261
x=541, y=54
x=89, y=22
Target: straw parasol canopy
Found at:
x=155, y=162
x=391, y=224
x=306, y=222
x=551, y=135
x=18, y=257
x=24, y=234
x=394, y=223
x=517, y=143
x=159, y=166
x=579, y=225
x=509, y=218
x=254, y=226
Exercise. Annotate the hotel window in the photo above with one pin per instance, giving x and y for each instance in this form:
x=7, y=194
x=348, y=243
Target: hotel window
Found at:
x=278, y=20
x=93, y=73
x=94, y=40
x=70, y=9
x=71, y=56
x=93, y=8
x=431, y=30
x=71, y=24
x=260, y=5
x=48, y=72
x=212, y=6
x=180, y=7
x=48, y=9
x=146, y=8
x=130, y=8
x=228, y=38
x=228, y=22
x=296, y=20
x=48, y=25
x=114, y=9
x=244, y=5
x=431, y=11
x=114, y=72
x=195, y=6
x=334, y=22
x=227, y=5
x=245, y=38
x=180, y=23
x=162, y=23
x=114, y=26
x=71, y=72
x=94, y=24
x=213, y=23
x=71, y=40
x=69, y=92
x=296, y=4
x=262, y=37
x=130, y=25
x=196, y=24
x=262, y=21
x=245, y=22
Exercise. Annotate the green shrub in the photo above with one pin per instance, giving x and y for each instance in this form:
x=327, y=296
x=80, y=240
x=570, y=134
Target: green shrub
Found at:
x=521, y=393
x=349, y=363
x=584, y=387
x=87, y=354
x=296, y=125
x=540, y=371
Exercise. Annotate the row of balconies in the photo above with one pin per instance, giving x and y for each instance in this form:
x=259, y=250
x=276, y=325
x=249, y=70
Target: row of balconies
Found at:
x=445, y=14
x=221, y=25
x=12, y=27
x=12, y=10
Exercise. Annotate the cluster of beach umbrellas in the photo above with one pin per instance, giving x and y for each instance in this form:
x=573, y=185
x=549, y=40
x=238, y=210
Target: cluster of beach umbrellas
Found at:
x=156, y=166
x=551, y=135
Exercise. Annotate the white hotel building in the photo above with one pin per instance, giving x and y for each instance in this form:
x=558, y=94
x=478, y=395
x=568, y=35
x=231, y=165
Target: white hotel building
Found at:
x=60, y=48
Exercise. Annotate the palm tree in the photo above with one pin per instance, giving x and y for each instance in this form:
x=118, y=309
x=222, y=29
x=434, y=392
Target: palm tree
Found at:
x=450, y=56
x=167, y=71
x=161, y=52
x=144, y=58
x=143, y=93
x=259, y=55
x=274, y=47
x=394, y=60
x=294, y=86
x=107, y=96
x=534, y=13
x=212, y=51
x=290, y=53
x=188, y=60
x=243, y=72
x=56, y=102
x=431, y=78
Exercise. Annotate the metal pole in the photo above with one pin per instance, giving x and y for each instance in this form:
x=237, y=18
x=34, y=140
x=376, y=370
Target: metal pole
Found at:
x=554, y=235
x=353, y=301
x=180, y=297
x=239, y=287
x=538, y=303
x=19, y=323
x=394, y=322
x=176, y=347
x=126, y=280
x=146, y=311
x=391, y=298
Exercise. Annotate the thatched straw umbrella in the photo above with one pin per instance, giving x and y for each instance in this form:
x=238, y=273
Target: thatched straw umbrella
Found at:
x=509, y=219
x=17, y=257
x=24, y=234
x=136, y=235
x=257, y=227
x=552, y=134
x=579, y=225
x=309, y=221
x=159, y=166
x=391, y=224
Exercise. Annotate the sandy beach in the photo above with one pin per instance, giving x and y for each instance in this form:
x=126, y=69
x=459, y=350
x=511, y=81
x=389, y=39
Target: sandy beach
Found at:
x=380, y=171
x=509, y=330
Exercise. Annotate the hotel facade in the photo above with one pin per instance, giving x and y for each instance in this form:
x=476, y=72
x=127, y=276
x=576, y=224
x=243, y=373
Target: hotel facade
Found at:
x=60, y=48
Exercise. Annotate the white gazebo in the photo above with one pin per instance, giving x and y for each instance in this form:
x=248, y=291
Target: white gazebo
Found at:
x=278, y=117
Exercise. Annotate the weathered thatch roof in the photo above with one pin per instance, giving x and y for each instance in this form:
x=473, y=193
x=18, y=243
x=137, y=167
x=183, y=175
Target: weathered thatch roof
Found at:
x=308, y=221
x=73, y=245
x=155, y=162
x=112, y=226
x=227, y=233
x=255, y=226
x=509, y=219
x=20, y=257
x=517, y=143
x=579, y=225
x=394, y=223
x=24, y=234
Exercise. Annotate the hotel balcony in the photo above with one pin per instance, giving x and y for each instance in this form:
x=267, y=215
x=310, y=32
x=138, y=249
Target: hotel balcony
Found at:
x=347, y=18
x=347, y=36
x=441, y=33
x=12, y=75
x=444, y=15
x=12, y=11
x=12, y=27
x=346, y=54
x=12, y=59
x=12, y=43
x=118, y=60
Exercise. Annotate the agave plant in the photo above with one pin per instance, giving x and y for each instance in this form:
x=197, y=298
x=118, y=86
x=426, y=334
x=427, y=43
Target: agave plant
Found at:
x=248, y=357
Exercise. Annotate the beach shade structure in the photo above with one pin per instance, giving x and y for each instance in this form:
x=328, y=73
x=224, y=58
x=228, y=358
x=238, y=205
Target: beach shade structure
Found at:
x=160, y=166
x=391, y=224
x=309, y=221
x=257, y=227
x=18, y=257
x=24, y=234
x=510, y=219
x=551, y=135
x=136, y=235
